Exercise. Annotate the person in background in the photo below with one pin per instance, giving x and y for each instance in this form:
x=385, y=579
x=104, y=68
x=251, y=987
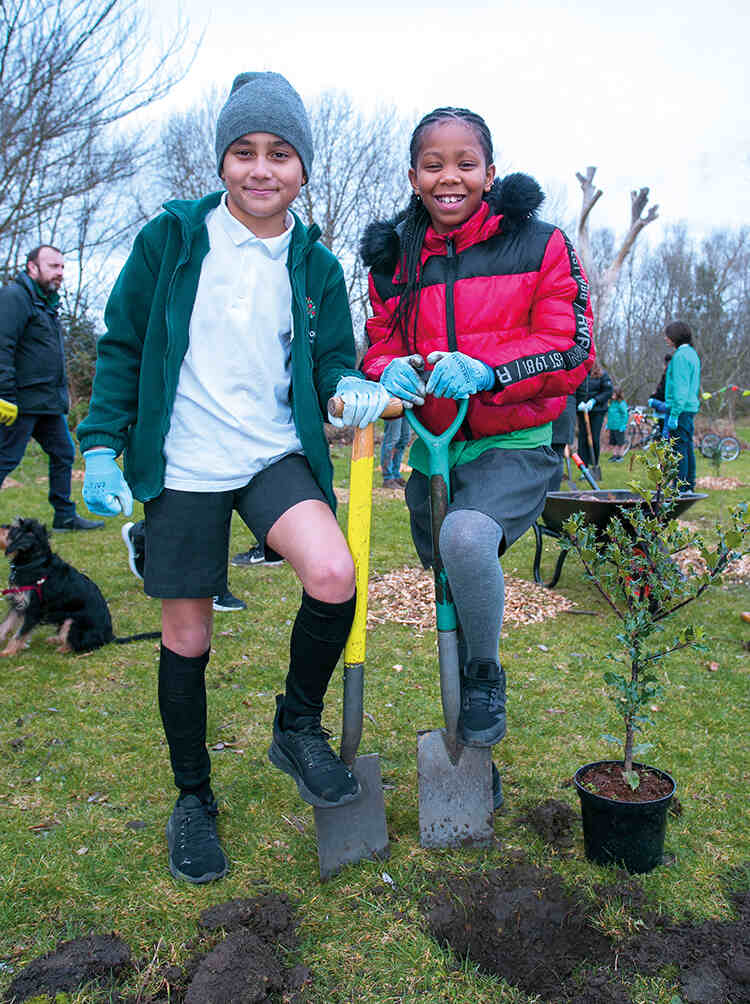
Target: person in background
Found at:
x=34, y=398
x=396, y=435
x=617, y=423
x=592, y=396
x=563, y=434
x=657, y=401
x=681, y=396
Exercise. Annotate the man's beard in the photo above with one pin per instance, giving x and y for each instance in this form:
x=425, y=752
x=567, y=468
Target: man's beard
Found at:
x=50, y=287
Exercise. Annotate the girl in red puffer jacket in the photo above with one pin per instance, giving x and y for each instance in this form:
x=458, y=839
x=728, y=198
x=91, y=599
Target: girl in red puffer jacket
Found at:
x=472, y=296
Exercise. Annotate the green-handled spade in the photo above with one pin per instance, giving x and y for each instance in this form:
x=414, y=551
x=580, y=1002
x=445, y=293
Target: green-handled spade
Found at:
x=455, y=781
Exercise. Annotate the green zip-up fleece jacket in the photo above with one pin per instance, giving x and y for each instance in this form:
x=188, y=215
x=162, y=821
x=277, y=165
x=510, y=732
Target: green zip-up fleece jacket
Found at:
x=683, y=381
x=148, y=317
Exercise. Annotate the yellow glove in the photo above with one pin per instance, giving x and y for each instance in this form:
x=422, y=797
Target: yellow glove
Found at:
x=8, y=412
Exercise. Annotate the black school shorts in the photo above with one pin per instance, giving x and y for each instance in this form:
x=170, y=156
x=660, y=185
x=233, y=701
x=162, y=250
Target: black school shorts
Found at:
x=509, y=486
x=187, y=533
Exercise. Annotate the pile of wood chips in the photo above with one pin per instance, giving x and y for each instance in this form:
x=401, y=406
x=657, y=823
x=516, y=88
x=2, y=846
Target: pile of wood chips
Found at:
x=718, y=484
x=407, y=596
x=691, y=562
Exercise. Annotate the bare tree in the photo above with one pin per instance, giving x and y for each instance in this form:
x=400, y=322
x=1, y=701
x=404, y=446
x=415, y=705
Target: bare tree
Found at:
x=71, y=72
x=603, y=278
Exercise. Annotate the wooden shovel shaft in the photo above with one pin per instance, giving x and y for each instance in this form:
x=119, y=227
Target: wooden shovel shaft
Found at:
x=393, y=409
x=589, y=437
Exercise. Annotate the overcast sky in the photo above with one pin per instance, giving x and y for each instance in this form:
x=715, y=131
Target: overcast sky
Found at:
x=652, y=93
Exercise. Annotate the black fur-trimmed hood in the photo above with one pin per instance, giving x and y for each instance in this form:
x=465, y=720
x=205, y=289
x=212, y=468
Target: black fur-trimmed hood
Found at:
x=516, y=198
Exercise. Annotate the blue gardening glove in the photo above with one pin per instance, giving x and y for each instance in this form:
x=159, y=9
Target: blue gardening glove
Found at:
x=105, y=490
x=458, y=376
x=587, y=405
x=659, y=406
x=671, y=422
x=363, y=402
x=402, y=378
x=8, y=412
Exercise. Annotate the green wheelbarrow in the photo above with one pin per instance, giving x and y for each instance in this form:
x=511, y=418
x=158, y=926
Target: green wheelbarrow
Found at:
x=455, y=781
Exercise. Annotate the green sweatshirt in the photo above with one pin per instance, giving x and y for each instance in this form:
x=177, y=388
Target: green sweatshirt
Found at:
x=683, y=381
x=148, y=318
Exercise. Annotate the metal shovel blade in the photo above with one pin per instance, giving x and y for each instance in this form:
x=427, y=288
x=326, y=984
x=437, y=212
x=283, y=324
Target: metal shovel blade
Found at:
x=455, y=793
x=357, y=830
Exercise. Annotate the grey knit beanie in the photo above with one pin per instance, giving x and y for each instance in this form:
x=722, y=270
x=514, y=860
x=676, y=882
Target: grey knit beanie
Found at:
x=264, y=102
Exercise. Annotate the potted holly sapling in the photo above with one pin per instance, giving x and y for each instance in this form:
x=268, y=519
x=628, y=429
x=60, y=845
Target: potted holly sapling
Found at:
x=624, y=802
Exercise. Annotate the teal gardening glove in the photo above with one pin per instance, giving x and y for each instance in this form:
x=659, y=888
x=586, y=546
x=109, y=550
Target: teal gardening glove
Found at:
x=402, y=377
x=363, y=400
x=671, y=423
x=458, y=376
x=105, y=490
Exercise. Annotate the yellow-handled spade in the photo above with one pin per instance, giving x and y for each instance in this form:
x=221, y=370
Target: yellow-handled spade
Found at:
x=358, y=829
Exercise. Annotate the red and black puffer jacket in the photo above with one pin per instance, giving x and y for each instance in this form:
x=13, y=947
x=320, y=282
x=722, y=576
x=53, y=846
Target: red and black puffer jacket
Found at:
x=504, y=288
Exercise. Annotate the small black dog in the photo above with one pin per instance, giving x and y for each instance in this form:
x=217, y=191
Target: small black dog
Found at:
x=44, y=589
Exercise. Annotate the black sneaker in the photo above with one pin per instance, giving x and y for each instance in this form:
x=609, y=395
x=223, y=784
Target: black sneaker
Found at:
x=226, y=601
x=481, y=721
x=195, y=853
x=497, y=790
x=65, y=524
x=136, y=552
x=322, y=778
x=258, y=555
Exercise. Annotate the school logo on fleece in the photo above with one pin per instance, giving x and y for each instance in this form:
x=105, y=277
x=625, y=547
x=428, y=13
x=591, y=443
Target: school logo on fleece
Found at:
x=311, y=312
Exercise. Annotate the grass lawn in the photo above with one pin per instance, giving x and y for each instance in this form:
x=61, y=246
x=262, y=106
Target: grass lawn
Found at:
x=82, y=758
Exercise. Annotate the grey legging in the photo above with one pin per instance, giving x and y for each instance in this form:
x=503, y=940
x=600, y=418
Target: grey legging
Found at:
x=469, y=542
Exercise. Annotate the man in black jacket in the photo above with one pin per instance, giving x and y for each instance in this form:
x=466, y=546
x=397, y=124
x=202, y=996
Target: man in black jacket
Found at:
x=33, y=382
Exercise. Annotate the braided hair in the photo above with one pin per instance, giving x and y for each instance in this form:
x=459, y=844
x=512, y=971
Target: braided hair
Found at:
x=415, y=219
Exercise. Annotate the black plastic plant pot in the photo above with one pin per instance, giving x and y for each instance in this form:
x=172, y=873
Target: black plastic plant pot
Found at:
x=629, y=834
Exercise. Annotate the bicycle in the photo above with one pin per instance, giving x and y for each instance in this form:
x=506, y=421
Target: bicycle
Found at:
x=643, y=428
x=728, y=447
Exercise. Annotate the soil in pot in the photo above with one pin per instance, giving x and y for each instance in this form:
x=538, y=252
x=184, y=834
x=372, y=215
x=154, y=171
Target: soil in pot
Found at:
x=621, y=825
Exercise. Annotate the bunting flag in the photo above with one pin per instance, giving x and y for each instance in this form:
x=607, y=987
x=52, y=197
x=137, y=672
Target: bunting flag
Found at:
x=722, y=390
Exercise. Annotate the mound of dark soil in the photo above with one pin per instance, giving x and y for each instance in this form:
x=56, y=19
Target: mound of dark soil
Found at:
x=553, y=820
x=239, y=959
x=518, y=922
x=242, y=969
x=70, y=966
x=270, y=917
x=713, y=957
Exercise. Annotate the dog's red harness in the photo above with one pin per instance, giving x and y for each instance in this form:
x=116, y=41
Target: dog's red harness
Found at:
x=37, y=587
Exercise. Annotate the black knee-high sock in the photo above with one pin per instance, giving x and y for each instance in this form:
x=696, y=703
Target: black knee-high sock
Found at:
x=318, y=638
x=182, y=703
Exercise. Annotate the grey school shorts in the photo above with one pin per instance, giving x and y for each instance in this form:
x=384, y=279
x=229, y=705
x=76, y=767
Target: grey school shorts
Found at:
x=187, y=533
x=509, y=486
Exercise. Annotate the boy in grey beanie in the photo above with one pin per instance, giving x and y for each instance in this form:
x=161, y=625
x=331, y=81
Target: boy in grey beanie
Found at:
x=264, y=102
x=227, y=332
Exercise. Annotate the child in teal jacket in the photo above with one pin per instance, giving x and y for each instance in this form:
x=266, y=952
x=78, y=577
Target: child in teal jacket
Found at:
x=617, y=422
x=682, y=399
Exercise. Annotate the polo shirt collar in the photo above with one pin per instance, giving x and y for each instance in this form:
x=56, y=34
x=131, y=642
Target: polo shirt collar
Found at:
x=240, y=235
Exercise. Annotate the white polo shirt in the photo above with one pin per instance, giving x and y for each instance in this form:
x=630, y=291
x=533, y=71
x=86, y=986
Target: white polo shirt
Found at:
x=232, y=414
